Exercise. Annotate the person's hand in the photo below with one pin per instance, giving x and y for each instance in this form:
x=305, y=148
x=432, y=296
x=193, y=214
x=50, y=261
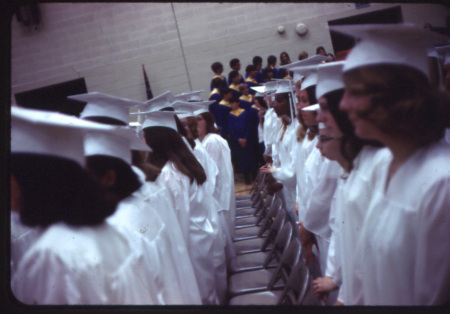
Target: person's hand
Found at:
x=267, y=169
x=337, y=303
x=243, y=142
x=322, y=286
x=296, y=208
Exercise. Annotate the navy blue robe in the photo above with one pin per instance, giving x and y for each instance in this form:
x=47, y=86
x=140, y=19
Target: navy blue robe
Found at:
x=239, y=122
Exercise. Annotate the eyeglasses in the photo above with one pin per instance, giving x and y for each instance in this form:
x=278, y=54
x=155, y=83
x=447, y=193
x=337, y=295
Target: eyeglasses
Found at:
x=325, y=138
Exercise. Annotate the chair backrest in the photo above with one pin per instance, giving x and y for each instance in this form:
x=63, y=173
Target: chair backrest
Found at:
x=297, y=285
x=281, y=242
x=275, y=227
x=289, y=258
x=267, y=219
x=258, y=183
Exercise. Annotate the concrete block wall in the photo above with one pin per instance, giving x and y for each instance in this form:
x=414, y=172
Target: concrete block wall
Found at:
x=106, y=43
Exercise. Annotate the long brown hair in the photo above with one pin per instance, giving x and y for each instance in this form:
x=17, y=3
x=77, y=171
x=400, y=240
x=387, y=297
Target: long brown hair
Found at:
x=402, y=102
x=168, y=145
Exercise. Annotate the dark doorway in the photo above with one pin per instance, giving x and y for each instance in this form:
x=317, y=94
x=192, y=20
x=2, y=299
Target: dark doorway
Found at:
x=342, y=43
x=54, y=97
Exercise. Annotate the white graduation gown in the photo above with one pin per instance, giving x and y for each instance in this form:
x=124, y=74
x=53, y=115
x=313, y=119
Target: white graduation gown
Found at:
x=404, y=241
x=317, y=213
x=352, y=201
x=309, y=178
x=286, y=163
x=223, y=241
x=80, y=265
x=196, y=228
x=220, y=152
x=159, y=200
x=270, y=127
x=22, y=238
x=139, y=221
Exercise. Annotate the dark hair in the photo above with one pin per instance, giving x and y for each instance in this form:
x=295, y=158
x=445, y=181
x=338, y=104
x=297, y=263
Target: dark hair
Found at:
x=351, y=145
x=217, y=82
x=302, y=55
x=262, y=102
x=233, y=100
x=167, y=145
x=182, y=132
x=257, y=60
x=209, y=118
x=151, y=172
x=250, y=68
x=311, y=91
x=55, y=189
x=402, y=102
x=126, y=180
x=192, y=125
x=105, y=120
x=232, y=75
x=225, y=90
x=271, y=60
x=319, y=48
x=287, y=55
x=216, y=66
x=234, y=62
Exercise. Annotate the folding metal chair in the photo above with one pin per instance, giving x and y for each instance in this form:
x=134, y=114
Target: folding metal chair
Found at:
x=260, y=260
x=266, y=279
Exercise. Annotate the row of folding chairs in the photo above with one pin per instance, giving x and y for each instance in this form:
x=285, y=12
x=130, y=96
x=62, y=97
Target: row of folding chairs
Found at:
x=269, y=267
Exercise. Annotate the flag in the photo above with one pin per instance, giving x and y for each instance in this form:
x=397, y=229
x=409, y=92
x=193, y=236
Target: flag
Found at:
x=147, y=85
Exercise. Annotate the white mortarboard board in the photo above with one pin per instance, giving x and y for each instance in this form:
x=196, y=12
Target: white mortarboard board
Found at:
x=258, y=94
x=157, y=103
x=329, y=78
x=445, y=52
x=284, y=86
x=104, y=105
x=115, y=143
x=205, y=107
x=317, y=59
x=188, y=108
x=315, y=107
x=309, y=74
x=180, y=97
x=50, y=133
x=402, y=44
x=194, y=95
x=259, y=89
x=160, y=118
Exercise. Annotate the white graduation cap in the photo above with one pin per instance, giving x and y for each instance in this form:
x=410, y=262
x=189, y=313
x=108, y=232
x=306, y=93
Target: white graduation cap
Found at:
x=159, y=118
x=104, y=105
x=403, y=44
x=115, y=143
x=315, y=107
x=50, y=133
x=258, y=94
x=194, y=95
x=329, y=78
x=258, y=89
x=445, y=52
x=189, y=107
x=309, y=74
x=180, y=97
x=157, y=103
x=317, y=59
x=204, y=107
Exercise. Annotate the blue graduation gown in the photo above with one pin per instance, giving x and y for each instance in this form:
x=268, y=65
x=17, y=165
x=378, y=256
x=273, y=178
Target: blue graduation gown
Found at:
x=239, y=125
x=214, y=107
x=223, y=110
x=224, y=81
x=250, y=83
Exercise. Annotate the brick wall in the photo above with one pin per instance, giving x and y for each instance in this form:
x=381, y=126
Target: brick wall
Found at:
x=107, y=43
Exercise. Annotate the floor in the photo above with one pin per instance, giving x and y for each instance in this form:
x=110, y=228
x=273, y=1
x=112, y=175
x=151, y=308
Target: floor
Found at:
x=239, y=185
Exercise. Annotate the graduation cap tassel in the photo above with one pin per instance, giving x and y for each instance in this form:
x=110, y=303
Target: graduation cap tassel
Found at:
x=147, y=84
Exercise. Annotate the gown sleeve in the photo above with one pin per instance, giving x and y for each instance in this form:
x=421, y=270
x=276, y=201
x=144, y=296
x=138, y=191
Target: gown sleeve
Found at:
x=432, y=274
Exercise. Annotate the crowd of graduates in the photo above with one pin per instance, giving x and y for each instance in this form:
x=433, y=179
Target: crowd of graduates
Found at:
x=105, y=211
